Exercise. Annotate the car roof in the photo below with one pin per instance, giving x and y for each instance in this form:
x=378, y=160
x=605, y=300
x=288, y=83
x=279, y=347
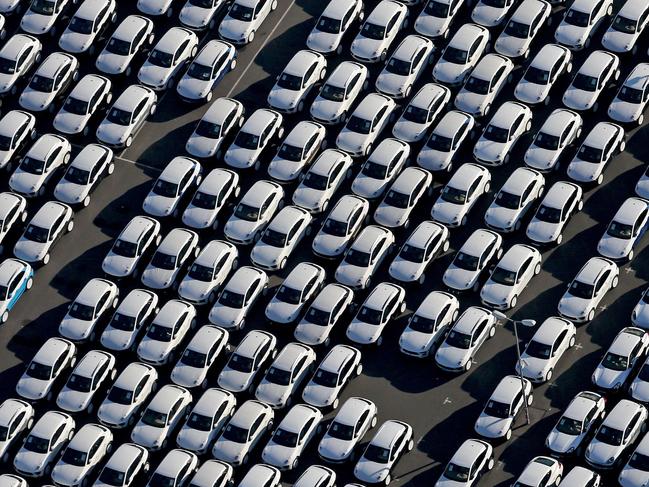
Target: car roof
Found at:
x=433, y=303
x=259, y=474
x=259, y=120
x=9, y=268
x=53, y=63
x=130, y=26
x=166, y=397
x=550, y=329
x=639, y=77
x=556, y=195
x=131, y=96
x=177, y=168
x=424, y=232
x=600, y=134
x=89, y=156
x=366, y=240
x=171, y=39
x=296, y=417
x=212, y=252
x=300, y=62
x=384, y=11
x=45, y=216
x=88, y=86
x=90, y=362
x=387, y=433
x=340, y=76
x=451, y=122
x=528, y=10
x=467, y=453
x=301, y=133
x=327, y=160
x=409, y=46
x=488, y=65
x=289, y=355
x=51, y=350
x=466, y=35
x=249, y=409
x=241, y=279
x=134, y=229
x=633, y=9
x=93, y=290
x=331, y=294
x=15, y=45
x=132, y=375
x=465, y=175
x=211, y=52
x=44, y=145
x=86, y=436
x=583, y=5
x=259, y=191
x=369, y=105
x=89, y=9
x=286, y=218
x=385, y=151
x=557, y=121
x=210, y=400
x=408, y=178
x=49, y=423
x=506, y=389
x=175, y=239
x=592, y=269
x=170, y=311
x=8, y=200
x=314, y=475
x=336, y=357
x=209, y=471
x=220, y=109
x=380, y=295
x=518, y=180
x=629, y=210
x=351, y=409
x=301, y=274
x=470, y=318
x=515, y=256
x=252, y=342
x=173, y=462
x=9, y=408
x=533, y=472
x=625, y=340
x=507, y=113
x=12, y=120
x=124, y=456
x=581, y=404
x=478, y=240
x=345, y=207
x=336, y=9
x=427, y=94
x=619, y=417
x=595, y=63
x=547, y=56
x=205, y=337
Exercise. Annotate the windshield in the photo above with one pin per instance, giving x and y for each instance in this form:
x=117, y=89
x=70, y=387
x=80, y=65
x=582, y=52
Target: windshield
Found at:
x=581, y=290
x=7, y=66
x=357, y=258
x=456, y=473
x=5, y=143
x=201, y=273
x=74, y=457
x=328, y=25
x=458, y=340
x=569, y=426
x=112, y=477
x=124, y=248
x=398, y=67
x=396, y=199
x=235, y=434
x=624, y=25
x=204, y=200
x=289, y=295
x=81, y=311
x=548, y=214
x=32, y=166
x=508, y=200
x=614, y=361
x=332, y=93
x=546, y=141
x=412, y=253
x=80, y=26
x=370, y=316
x=359, y=125
x=630, y=95
x=590, y=154
x=315, y=181
x=377, y=454
x=373, y=31
x=466, y=261
x=373, y=170
x=77, y=176
x=503, y=276
x=247, y=141
x=285, y=438
x=230, y=299
x=325, y=378
x=334, y=227
x=39, y=371
x=240, y=363
x=239, y=12
x=574, y=17
x=154, y=418
x=120, y=396
x=422, y=324
x=43, y=7
x=538, y=350
x=415, y=114
x=278, y=376
x=36, y=234
x=494, y=3
x=118, y=46
x=585, y=82
x=200, y=72
x=192, y=358
x=496, y=134
x=118, y=116
x=620, y=230
x=517, y=29
x=289, y=82
x=497, y=409
x=36, y=444
x=246, y=212
x=159, y=333
x=159, y=480
x=609, y=436
x=639, y=461
x=161, y=58
x=644, y=373
x=200, y=422
x=290, y=153
x=477, y=85
x=317, y=317
x=166, y=188
x=164, y=261
x=537, y=76
x=274, y=238
x=452, y=195
x=455, y=55
x=437, y=9
x=439, y=143
x=341, y=431
x=208, y=129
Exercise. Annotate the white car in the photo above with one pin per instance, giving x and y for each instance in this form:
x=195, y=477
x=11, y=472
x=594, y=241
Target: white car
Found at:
x=17, y=58
x=88, y=377
x=242, y=290
x=207, y=69
x=166, y=332
x=521, y=29
x=328, y=308
x=576, y=424
x=17, y=130
x=366, y=123
x=496, y=421
x=340, y=227
x=295, y=82
x=215, y=193
x=50, y=434
x=469, y=332
x=379, y=31
x=421, y=112
x=515, y=198
x=445, y=141
x=479, y=250
x=393, y=440
x=16, y=418
x=170, y=259
x=173, y=51
x=175, y=468
x=642, y=186
x=155, y=8
x=297, y=152
x=435, y=19
x=86, y=450
x=560, y=131
x=634, y=473
x=625, y=230
x=87, y=26
x=292, y=436
x=427, y=241
x=428, y=324
x=604, y=141
x=47, y=226
x=581, y=477
x=353, y=420
x=405, y=66
x=50, y=362
x=639, y=314
x=126, y=115
x=179, y=176
x=338, y=16
x=285, y=375
x=215, y=127
x=629, y=104
x=460, y=194
x=203, y=350
x=127, y=464
x=561, y=201
x=127, y=395
x=339, y=92
x=580, y=21
x=281, y=237
x=301, y=285
x=213, y=473
x=254, y=351
x=161, y=417
x=200, y=14
x=339, y=366
x=40, y=17
x=50, y=81
x=627, y=26
x=323, y=179
x=95, y=300
x=461, y=54
x=13, y=213
x=208, y=272
x=546, y=347
x=491, y=13
x=49, y=153
x=364, y=257
x=551, y=62
x=257, y=133
x=243, y=432
x=261, y=474
x=136, y=240
x=84, y=173
x=595, y=75
x=484, y=84
x=469, y=463
x=16, y=277
x=506, y=127
x=622, y=358
x=253, y=212
x=381, y=168
x=586, y=291
x=244, y=18
x=206, y=420
x=620, y=429
x=316, y=476
x=385, y=303
x=541, y=471
x=130, y=38
x=511, y=275
x=402, y=196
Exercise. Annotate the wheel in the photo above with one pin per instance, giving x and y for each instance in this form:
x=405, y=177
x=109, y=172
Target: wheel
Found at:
x=468, y=365
x=46, y=259
x=508, y=435
x=334, y=405
x=595, y=107
x=251, y=36
x=487, y=187
x=640, y=119
x=111, y=168
x=537, y=268
x=368, y=149
x=463, y=221
x=300, y=106
x=384, y=55
x=528, y=126
x=622, y=146
x=571, y=343
x=359, y=369
x=273, y=5
x=513, y=302
x=233, y=64
x=599, y=179
x=490, y=464
x=411, y=444
x=530, y=400
x=209, y=96
x=30, y=283
x=517, y=226
x=422, y=279
x=129, y=141
x=379, y=341
x=387, y=480
x=630, y=256
x=128, y=71
x=70, y=226
x=546, y=101
x=91, y=408
x=282, y=264
x=86, y=201
x=5, y=316
x=280, y=132
x=591, y=315
x=614, y=282
x=559, y=239
x=492, y=331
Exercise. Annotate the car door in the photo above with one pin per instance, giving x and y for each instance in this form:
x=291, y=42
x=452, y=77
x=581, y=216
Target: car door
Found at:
x=362, y=425
x=253, y=436
x=560, y=345
x=640, y=226
x=631, y=431
x=524, y=273
x=377, y=123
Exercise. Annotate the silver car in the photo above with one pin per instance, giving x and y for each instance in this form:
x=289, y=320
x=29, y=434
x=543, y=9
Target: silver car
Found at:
x=558, y=133
x=241, y=292
x=446, y=139
x=381, y=168
x=254, y=351
x=89, y=376
x=243, y=19
x=84, y=174
x=421, y=112
x=599, y=70
x=629, y=104
x=627, y=26
x=634, y=473
x=550, y=63
x=328, y=309
x=405, y=66
x=461, y=54
x=503, y=406
x=16, y=418
x=17, y=58
x=17, y=129
x=213, y=473
x=131, y=37
x=127, y=464
x=211, y=64
x=13, y=213
x=257, y=133
x=129, y=319
x=521, y=29
x=621, y=360
x=484, y=84
x=202, y=351
x=49, y=82
x=87, y=26
x=175, y=468
x=580, y=21
x=200, y=14
x=340, y=227
x=224, y=116
x=559, y=204
x=136, y=240
x=297, y=151
x=478, y=251
x=303, y=282
x=89, y=96
x=625, y=231
x=401, y=198
x=379, y=31
x=473, y=456
x=295, y=82
x=170, y=259
x=40, y=17
x=339, y=92
x=178, y=177
x=338, y=16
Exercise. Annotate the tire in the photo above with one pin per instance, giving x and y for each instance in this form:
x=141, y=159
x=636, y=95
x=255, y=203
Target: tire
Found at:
x=421, y=279
x=537, y=269
x=487, y=187
x=513, y=302
x=411, y=444
x=46, y=259
x=622, y=146
x=640, y=120
x=86, y=201
x=282, y=264
x=599, y=179
x=492, y=332
x=70, y=226
x=5, y=317
x=559, y=239
x=591, y=315
x=614, y=283
x=300, y=107
x=359, y=369
x=209, y=96
x=548, y=375
x=387, y=480
x=30, y=283
x=595, y=107
x=334, y=405
x=251, y=37
x=233, y=65
x=129, y=141
x=490, y=464
x=468, y=366
x=508, y=435
x=630, y=256
x=273, y=5
x=111, y=168
x=530, y=400
x=571, y=342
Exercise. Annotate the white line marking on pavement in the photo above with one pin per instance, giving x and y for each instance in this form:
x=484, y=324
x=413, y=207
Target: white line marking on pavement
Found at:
x=629, y=270
x=140, y=164
x=447, y=400
x=579, y=346
x=261, y=46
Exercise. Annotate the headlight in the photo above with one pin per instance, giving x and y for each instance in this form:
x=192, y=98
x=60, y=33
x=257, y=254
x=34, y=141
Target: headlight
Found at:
x=610, y=460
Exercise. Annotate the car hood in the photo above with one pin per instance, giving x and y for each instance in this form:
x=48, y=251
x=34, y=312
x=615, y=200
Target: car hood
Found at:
x=530, y=92
x=153, y=350
x=416, y=341
x=334, y=449
x=151, y=74
x=160, y=206
x=225, y=316
x=192, y=439
x=614, y=248
x=390, y=83
x=534, y=368
x=641, y=315
x=31, y=388
x=323, y=42
x=583, y=171
x=632, y=477
x=561, y=442
x=329, y=245
x=391, y=216
x=193, y=289
x=447, y=72
x=234, y=29
x=147, y=436
x=351, y=275
x=470, y=102
x=29, y=250
x=541, y=159
x=283, y=98
x=318, y=396
x=542, y=232
x=115, y=339
x=228, y=451
x=569, y=34
x=459, y=278
x=24, y=182
x=199, y=146
x=278, y=455
x=433, y=160
x=495, y=293
x=405, y=270
x=114, y=413
x=239, y=157
x=308, y=198
x=34, y=23
x=187, y=376
x=196, y=17
x=29, y=461
x=409, y=131
x=35, y=101
x=326, y=109
x=572, y=306
x=365, y=47
x=360, y=332
x=265, y=254
x=511, y=46
x=368, y=187
x=430, y=26
x=272, y=394
x=451, y=357
x=74, y=42
x=157, y=278
x=112, y=132
x=624, y=112
x=599, y=453
x=492, y=427
x=370, y=472
x=607, y=378
x=309, y=333
x=118, y=265
x=486, y=15
x=112, y=63
x=616, y=41
x=70, y=193
x=500, y=216
x=352, y=142
x=193, y=88
x=233, y=380
x=579, y=99
x=281, y=311
x=72, y=401
x=75, y=329
x=447, y=212
x=489, y=150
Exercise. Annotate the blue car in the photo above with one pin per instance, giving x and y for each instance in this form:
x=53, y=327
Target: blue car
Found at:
x=16, y=276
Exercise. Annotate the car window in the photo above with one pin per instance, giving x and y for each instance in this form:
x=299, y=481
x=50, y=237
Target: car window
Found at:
x=391, y=23
x=566, y=132
x=352, y=84
x=473, y=188
x=138, y=110
x=515, y=126
x=308, y=74
x=255, y=426
x=58, y=364
x=496, y=78
x=102, y=300
x=347, y=17
x=378, y=117
x=601, y=281
x=22, y=59
x=558, y=341
x=52, y=157
x=477, y=331
x=526, y=193
x=137, y=39
x=417, y=59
